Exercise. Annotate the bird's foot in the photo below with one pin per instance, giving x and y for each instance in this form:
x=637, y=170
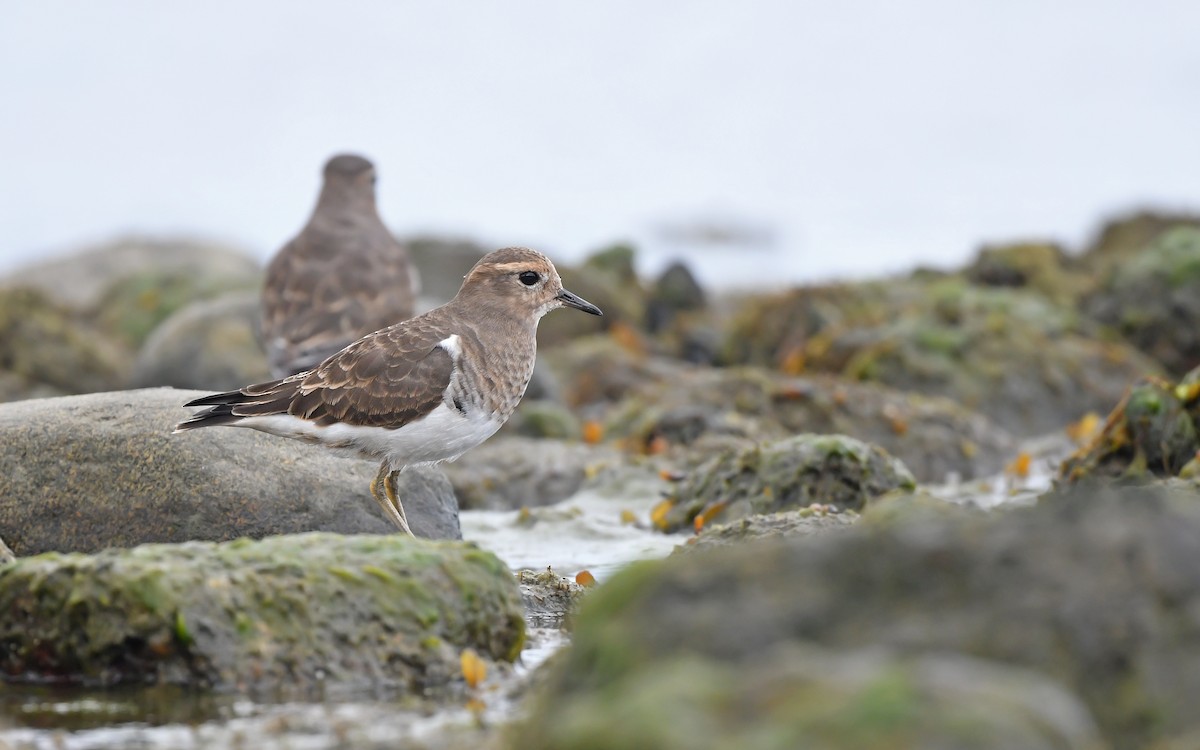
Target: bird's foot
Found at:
x=388, y=499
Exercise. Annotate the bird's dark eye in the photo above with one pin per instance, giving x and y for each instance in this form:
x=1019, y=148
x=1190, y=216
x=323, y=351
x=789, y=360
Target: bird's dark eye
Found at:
x=528, y=278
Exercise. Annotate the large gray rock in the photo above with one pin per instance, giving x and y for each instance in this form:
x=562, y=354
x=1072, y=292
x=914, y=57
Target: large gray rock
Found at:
x=206, y=345
x=82, y=278
x=510, y=472
x=284, y=613
x=1098, y=591
x=82, y=473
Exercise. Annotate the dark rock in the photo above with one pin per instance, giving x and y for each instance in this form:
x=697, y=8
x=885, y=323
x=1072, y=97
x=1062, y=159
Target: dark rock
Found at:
x=675, y=291
x=789, y=695
x=785, y=475
x=87, y=472
x=206, y=345
x=1098, y=593
x=285, y=613
x=1152, y=432
x=1040, y=266
x=511, y=472
x=1153, y=299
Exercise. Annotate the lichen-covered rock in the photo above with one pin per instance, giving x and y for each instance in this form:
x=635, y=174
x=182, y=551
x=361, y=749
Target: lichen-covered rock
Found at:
x=1154, y=431
x=1041, y=266
x=1097, y=593
x=791, y=696
x=80, y=280
x=693, y=412
x=783, y=475
x=1153, y=299
x=82, y=473
x=44, y=346
x=206, y=345
x=281, y=613
x=510, y=472
x=1029, y=364
x=1122, y=238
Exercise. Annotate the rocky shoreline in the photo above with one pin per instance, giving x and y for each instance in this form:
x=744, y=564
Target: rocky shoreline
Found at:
x=820, y=593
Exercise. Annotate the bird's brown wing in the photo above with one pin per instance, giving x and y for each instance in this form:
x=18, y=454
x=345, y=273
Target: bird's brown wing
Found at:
x=386, y=379
x=324, y=290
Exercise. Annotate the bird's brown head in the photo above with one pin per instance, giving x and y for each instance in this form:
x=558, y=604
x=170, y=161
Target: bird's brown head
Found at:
x=521, y=280
x=348, y=178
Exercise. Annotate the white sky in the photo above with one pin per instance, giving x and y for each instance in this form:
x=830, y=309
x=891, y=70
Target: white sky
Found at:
x=866, y=136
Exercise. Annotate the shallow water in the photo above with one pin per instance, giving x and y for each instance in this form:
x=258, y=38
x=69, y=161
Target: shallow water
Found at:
x=596, y=530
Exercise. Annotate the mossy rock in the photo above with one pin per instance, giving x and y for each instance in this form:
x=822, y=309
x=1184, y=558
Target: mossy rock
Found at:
x=785, y=475
x=1151, y=433
x=135, y=305
x=1123, y=238
x=1032, y=588
x=207, y=345
x=1153, y=299
x=793, y=696
x=281, y=613
x=45, y=345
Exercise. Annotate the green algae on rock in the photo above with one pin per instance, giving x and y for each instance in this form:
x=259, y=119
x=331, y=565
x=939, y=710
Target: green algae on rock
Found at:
x=793, y=523
x=784, y=475
x=1151, y=433
x=1096, y=594
x=279, y=613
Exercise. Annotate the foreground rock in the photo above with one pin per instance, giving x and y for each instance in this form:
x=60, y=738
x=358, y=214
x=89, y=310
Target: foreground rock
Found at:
x=278, y=614
x=790, y=695
x=83, y=473
x=1097, y=593
x=783, y=475
x=788, y=524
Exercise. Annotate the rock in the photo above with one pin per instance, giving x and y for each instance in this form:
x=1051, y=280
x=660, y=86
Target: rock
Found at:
x=83, y=473
x=81, y=280
x=441, y=264
x=1153, y=432
x=1096, y=591
x=792, y=523
x=1153, y=299
x=6, y=555
x=1028, y=363
x=548, y=597
x=510, y=472
x=1123, y=237
x=608, y=280
x=205, y=345
x=285, y=613
x=795, y=696
x=543, y=418
x=44, y=347
x=692, y=412
x=1041, y=266
x=784, y=475
x=675, y=291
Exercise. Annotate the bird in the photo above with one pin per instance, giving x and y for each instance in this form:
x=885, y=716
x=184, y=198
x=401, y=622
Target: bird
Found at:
x=421, y=391
x=343, y=276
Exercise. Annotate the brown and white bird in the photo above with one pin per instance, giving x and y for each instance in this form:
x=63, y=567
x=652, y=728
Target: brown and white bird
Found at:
x=421, y=391
x=341, y=278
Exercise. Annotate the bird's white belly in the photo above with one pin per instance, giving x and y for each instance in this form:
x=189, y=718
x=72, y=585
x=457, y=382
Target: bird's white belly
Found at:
x=443, y=434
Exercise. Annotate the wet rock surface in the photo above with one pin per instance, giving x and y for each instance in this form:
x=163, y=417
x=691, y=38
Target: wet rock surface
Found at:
x=784, y=524
x=284, y=613
x=784, y=475
x=86, y=472
x=1034, y=588
x=548, y=597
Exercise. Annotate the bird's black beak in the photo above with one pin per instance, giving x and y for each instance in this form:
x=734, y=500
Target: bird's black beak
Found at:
x=577, y=302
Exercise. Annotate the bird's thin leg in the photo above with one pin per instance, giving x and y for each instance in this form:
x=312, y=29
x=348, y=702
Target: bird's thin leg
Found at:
x=384, y=498
x=389, y=487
